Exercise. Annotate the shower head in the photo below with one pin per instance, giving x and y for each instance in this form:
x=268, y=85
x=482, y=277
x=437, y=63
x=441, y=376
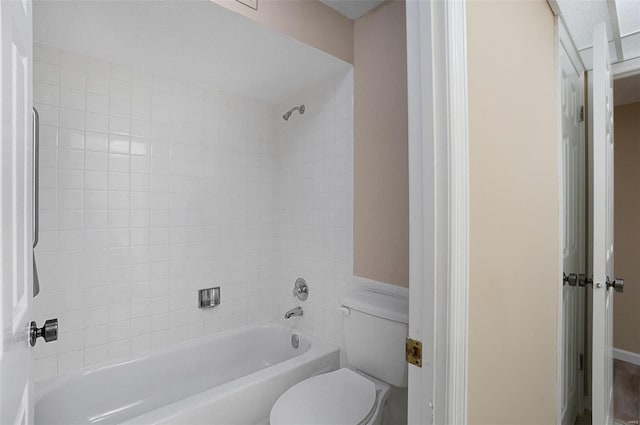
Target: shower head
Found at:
x=295, y=108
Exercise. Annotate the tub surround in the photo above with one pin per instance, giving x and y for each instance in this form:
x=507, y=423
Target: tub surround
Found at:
x=314, y=205
x=153, y=188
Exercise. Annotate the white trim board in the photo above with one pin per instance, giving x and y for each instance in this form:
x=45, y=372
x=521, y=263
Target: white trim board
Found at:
x=627, y=68
x=626, y=356
x=439, y=212
x=458, y=308
x=422, y=405
x=379, y=286
x=558, y=38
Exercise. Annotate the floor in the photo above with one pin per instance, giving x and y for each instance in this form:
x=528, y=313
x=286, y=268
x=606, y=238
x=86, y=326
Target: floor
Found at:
x=584, y=419
x=626, y=392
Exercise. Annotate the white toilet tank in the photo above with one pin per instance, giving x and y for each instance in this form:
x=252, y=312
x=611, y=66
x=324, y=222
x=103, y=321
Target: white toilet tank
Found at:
x=375, y=331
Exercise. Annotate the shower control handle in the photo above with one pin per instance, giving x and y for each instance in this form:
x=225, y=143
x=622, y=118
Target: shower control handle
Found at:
x=48, y=332
x=301, y=289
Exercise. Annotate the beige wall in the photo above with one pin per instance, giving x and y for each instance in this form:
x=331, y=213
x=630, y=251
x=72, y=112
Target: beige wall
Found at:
x=381, y=179
x=626, y=334
x=309, y=21
x=514, y=213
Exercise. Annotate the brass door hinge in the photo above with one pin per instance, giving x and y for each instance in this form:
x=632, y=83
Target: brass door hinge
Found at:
x=413, y=350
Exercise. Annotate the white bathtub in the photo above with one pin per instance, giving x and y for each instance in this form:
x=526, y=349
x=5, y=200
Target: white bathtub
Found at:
x=232, y=378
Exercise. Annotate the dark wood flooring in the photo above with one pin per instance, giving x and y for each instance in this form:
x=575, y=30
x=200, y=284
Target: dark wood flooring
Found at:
x=626, y=392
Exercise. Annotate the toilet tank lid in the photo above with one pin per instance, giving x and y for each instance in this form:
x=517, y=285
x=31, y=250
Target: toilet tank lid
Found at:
x=378, y=304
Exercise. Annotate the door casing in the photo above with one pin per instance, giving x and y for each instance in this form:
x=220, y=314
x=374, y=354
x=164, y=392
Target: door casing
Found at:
x=438, y=213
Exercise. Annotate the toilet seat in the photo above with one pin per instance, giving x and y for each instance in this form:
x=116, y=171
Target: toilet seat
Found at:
x=339, y=397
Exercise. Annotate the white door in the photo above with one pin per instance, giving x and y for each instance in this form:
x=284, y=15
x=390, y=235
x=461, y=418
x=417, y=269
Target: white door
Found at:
x=16, y=405
x=573, y=156
x=602, y=122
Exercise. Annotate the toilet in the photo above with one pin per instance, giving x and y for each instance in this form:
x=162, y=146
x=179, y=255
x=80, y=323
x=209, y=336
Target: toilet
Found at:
x=375, y=330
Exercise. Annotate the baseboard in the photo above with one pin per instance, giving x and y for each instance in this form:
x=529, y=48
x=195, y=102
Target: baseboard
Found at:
x=626, y=356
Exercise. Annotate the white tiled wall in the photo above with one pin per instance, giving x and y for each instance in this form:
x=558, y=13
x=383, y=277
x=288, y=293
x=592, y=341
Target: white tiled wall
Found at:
x=150, y=189
x=314, y=210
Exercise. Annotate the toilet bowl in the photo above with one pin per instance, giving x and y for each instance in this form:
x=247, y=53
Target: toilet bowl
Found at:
x=342, y=397
x=375, y=330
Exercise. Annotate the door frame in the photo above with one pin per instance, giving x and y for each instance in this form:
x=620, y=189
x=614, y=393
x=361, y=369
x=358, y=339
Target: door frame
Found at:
x=439, y=209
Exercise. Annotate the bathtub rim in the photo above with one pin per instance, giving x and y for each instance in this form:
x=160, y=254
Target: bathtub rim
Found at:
x=318, y=350
x=45, y=386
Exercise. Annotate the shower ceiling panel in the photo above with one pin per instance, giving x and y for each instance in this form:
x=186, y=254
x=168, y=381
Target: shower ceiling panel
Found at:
x=195, y=40
x=622, y=18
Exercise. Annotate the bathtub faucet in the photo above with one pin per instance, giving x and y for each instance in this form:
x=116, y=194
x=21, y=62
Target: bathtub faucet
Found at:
x=293, y=312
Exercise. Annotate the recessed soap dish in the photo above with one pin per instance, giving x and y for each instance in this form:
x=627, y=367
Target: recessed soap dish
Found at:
x=209, y=297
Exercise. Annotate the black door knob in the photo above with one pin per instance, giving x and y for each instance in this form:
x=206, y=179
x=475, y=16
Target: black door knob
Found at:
x=616, y=284
x=48, y=332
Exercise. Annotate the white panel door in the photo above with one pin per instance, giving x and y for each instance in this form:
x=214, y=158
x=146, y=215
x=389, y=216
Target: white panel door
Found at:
x=16, y=406
x=573, y=156
x=602, y=122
